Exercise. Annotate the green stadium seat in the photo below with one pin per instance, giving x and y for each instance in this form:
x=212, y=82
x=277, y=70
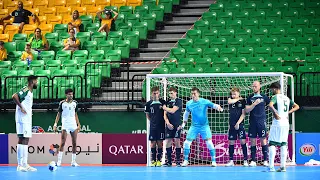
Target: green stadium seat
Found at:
x=47, y=55
x=312, y=61
x=253, y=42
x=133, y=37
x=250, y=24
x=63, y=36
x=19, y=37
x=312, y=32
x=195, y=70
x=276, y=14
x=19, y=65
x=232, y=7
x=105, y=66
x=10, y=46
x=37, y=65
x=267, y=24
x=95, y=78
x=264, y=6
x=246, y=52
x=83, y=36
x=149, y=2
x=201, y=25
x=234, y=24
x=133, y=18
x=292, y=14
x=221, y=62
x=105, y=45
x=280, y=6
x=115, y=57
x=227, y=15
x=270, y=42
x=228, y=52
x=124, y=46
x=218, y=43
x=259, y=15
x=51, y=37
x=209, y=16
x=276, y=32
x=235, y=42
x=203, y=62
x=99, y=36
x=160, y=70
x=115, y=35
x=61, y=87
x=89, y=45
x=230, y=70
x=81, y=54
x=315, y=51
x=142, y=27
x=144, y=9
x=96, y=54
x=218, y=24
x=114, y=8
x=299, y=51
x=126, y=10
x=315, y=23
x=226, y=33
x=87, y=62
x=186, y=63
x=248, y=69
x=238, y=62
x=250, y=6
x=194, y=53
x=194, y=34
x=266, y=69
x=158, y=10
x=262, y=52
x=284, y=69
x=86, y=19
x=185, y=43
x=151, y=21
x=94, y=27
x=284, y=23
x=242, y=15
x=212, y=70
x=56, y=46
x=300, y=23
x=260, y=33
x=177, y=70
x=287, y=41
x=201, y=43
x=297, y=5
x=294, y=32
x=59, y=28
x=169, y=62
x=255, y=61
x=281, y=51
x=8, y=73
x=53, y=65
x=178, y=53
x=14, y=55
x=21, y=45
x=210, y=52
x=217, y=7
x=243, y=33
x=63, y=54
x=210, y=34
x=308, y=14
x=167, y=5
x=4, y=65
x=70, y=65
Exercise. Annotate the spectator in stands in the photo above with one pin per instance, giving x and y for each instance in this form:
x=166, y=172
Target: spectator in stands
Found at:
x=38, y=42
x=21, y=16
x=27, y=54
x=72, y=43
x=75, y=22
x=107, y=21
x=3, y=52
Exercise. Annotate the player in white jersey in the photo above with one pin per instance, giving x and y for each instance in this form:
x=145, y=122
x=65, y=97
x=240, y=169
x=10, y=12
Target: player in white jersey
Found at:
x=24, y=102
x=281, y=106
x=70, y=124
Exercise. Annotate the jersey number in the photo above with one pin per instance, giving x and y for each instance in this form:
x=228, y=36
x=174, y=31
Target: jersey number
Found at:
x=285, y=106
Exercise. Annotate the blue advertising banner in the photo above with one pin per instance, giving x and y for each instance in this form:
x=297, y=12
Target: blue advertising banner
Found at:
x=307, y=147
x=4, y=157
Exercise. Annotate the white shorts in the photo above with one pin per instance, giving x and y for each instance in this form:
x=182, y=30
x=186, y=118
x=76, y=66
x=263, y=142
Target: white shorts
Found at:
x=69, y=129
x=278, y=135
x=24, y=129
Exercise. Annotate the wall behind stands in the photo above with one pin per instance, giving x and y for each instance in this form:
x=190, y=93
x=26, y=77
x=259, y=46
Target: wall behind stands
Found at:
x=131, y=122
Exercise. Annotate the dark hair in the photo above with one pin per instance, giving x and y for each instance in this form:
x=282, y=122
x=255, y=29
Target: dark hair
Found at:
x=173, y=89
x=31, y=78
x=28, y=45
x=195, y=89
x=275, y=85
x=68, y=91
x=37, y=29
x=235, y=89
x=155, y=88
x=1, y=43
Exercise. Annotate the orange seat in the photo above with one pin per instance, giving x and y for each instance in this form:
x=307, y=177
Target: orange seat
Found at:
x=1, y=29
x=11, y=9
x=92, y=10
x=54, y=20
x=50, y=11
x=34, y=11
x=1, y=5
x=11, y=4
x=46, y=28
x=40, y=3
x=66, y=19
x=11, y=30
x=134, y=3
x=73, y=3
x=81, y=10
x=4, y=37
x=10, y=21
x=59, y=3
x=85, y=3
x=103, y=3
x=42, y=19
x=4, y=12
x=118, y=3
x=27, y=4
x=29, y=28
x=61, y=11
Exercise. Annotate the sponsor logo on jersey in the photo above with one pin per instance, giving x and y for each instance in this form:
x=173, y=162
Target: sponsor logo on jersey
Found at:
x=307, y=149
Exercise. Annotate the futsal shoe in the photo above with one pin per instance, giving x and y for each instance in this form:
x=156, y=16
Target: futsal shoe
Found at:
x=245, y=163
x=167, y=164
x=281, y=169
x=21, y=168
x=153, y=164
x=58, y=163
x=230, y=163
x=159, y=164
x=265, y=163
x=178, y=164
x=29, y=168
x=74, y=164
x=253, y=164
x=271, y=169
x=185, y=163
x=213, y=164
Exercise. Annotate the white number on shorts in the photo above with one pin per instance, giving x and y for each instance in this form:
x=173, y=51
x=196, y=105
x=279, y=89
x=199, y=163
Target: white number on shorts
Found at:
x=161, y=135
x=263, y=132
x=241, y=133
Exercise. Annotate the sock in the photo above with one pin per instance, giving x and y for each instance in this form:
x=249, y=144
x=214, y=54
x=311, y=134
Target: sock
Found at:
x=169, y=153
x=60, y=156
x=283, y=156
x=178, y=154
x=244, y=151
x=74, y=157
x=253, y=153
x=159, y=155
x=153, y=154
x=20, y=150
x=272, y=155
x=25, y=155
x=212, y=150
x=186, y=153
x=265, y=152
x=231, y=151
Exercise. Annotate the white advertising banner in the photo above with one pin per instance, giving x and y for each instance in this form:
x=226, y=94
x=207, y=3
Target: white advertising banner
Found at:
x=41, y=146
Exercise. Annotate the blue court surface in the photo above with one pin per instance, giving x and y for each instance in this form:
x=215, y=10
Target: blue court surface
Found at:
x=152, y=173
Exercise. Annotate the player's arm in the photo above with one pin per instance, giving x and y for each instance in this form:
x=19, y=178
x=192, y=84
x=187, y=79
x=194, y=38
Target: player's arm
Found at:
x=77, y=118
x=250, y=107
x=273, y=110
x=243, y=115
x=57, y=117
x=185, y=117
x=214, y=106
x=165, y=117
x=16, y=100
x=175, y=108
x=147, y=111
x=232, y=101
x=295, y=107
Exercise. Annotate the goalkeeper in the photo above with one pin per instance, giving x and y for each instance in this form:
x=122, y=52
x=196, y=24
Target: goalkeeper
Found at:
x=198, y=108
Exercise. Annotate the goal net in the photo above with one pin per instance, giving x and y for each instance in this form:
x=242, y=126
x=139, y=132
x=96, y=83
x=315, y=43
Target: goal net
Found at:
x=216, y=87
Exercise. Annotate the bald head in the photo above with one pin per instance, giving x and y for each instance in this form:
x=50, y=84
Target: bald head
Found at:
x=256, y=87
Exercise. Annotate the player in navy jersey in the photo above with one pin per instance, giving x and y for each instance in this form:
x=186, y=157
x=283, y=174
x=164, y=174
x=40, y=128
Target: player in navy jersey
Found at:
x=256, y=106
x=172, y=117
x=154, y=113
x=236, y=126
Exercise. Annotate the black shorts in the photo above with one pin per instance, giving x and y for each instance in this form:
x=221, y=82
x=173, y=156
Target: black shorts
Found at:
x=233, y=134
x=259, y=129
x=156, y=134
x=174, y=133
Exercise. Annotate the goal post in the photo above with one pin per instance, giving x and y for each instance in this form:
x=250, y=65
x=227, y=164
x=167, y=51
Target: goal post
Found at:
x=216, y=87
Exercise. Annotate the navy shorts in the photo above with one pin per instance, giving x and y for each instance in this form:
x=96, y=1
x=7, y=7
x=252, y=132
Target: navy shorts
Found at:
x=234, y=134
x=174, y=133
x=257, y=130
x=156, y=134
